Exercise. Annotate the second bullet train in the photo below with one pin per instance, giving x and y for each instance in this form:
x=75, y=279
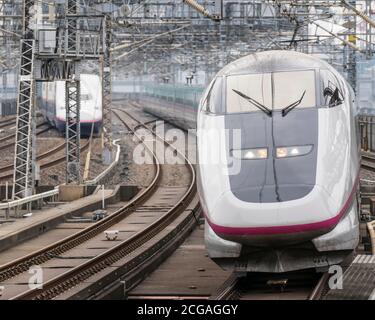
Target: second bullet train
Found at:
x=51, y=102
x=278, y=163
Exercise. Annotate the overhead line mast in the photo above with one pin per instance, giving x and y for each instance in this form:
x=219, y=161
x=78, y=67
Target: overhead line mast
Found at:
x=23, y=177
x=72, y=45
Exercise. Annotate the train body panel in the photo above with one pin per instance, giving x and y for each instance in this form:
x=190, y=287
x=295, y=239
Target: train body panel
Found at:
x=173, y=104
x=51, y=101
x=282, y=194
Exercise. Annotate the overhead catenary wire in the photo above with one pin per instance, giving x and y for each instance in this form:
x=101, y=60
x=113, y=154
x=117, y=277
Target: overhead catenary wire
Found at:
x=358, y=12
x=195, y=5
x=151, y=39
x=10, y=33
x=344, y=41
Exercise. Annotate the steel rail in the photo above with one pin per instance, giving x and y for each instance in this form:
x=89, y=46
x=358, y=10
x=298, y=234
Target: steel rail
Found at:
x=74, y=276
x=7, y=123
x=8, y=120
x=55, y=192
x=236, y=288
x=39, y=157
x=22, y=264
x=48, y=164
x=228, y=289
x=10, y=136
x=368, y=161
x=320, y=288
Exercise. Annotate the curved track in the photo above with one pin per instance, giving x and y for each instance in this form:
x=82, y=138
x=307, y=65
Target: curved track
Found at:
x=162, y=203
x=47, y=154
x=44, y=128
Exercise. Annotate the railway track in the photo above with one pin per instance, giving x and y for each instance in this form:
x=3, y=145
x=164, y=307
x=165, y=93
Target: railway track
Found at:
x=48, y=164
x=368, y=161
x=43, y=127
x=159, y=204
x=7, y=123
x=300, y=285
x=12, y=119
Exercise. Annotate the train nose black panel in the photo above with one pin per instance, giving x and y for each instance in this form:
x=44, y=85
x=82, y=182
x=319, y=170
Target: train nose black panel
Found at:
x=275, y=179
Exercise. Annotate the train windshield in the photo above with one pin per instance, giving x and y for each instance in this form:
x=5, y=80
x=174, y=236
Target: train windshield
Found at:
x=275, y=90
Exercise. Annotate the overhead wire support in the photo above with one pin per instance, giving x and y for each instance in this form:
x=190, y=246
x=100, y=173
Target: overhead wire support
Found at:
x=71, y=45
x=106, y=89
x=23, y=176
x=344, y=41
x=73, y=134
x=358, y=12
x=72, y=97
x=199, y=8
x=144, y=42
x=367, y=19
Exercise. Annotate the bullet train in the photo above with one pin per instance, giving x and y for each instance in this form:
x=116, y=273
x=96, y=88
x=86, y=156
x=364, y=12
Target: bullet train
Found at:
x=51, y=102
x=278, y=164
x=175, y=104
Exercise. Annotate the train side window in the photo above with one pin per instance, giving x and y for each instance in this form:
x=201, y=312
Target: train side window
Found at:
x=213, y=102
x=331, y=91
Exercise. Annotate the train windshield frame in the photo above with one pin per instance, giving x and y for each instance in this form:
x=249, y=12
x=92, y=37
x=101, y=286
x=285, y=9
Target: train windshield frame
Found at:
x=275, y=90
x=332, y=90
x=213, y=101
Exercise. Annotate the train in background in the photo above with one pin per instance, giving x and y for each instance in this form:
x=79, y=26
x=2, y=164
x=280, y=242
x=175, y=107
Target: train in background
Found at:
x=51, y=102
x=294, y=201
x=177, y=104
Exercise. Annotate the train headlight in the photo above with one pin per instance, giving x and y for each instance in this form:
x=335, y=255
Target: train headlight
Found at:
x=295, y=151
x=250, y=154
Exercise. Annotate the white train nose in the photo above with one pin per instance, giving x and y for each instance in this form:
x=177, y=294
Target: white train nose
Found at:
x=302, y=219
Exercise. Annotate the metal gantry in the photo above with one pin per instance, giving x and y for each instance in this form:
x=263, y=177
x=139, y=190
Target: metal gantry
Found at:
x=106, y=90
x=72, y=98
x=71, y=42
x=72, y=107
x=23, y=179
x=24, y=148
x=75, y=41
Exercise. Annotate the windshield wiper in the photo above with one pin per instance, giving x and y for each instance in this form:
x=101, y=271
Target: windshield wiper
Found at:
x=255, y=103
x=285, y=111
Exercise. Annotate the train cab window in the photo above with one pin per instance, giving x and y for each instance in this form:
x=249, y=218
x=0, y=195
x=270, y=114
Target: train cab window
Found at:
x=292, y=86
x=271, y=91
x=213, y=103
x=256, y=86
x=330, y=89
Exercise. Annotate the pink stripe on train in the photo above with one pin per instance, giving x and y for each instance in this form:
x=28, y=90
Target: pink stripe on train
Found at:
x=325, y=224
